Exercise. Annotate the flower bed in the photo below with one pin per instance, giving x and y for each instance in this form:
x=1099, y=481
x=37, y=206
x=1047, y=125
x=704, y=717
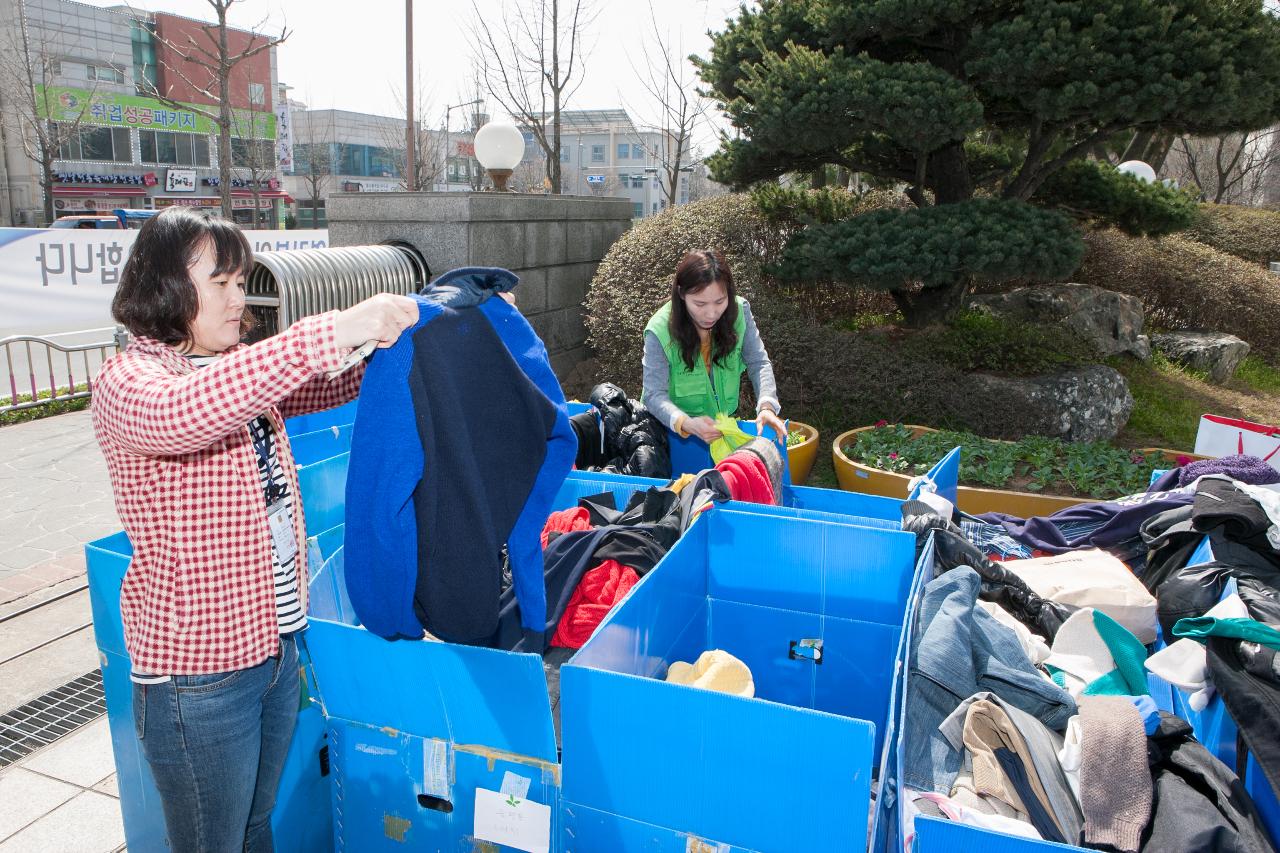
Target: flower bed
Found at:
x=1035, y=476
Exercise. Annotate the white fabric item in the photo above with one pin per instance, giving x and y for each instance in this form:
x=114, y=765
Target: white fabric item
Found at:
x=1080, y=652
x=929, y=495
x=958, y=812
x=1185, y=663
x=1071, y=754
x=1033, y=644
x=1092, y=578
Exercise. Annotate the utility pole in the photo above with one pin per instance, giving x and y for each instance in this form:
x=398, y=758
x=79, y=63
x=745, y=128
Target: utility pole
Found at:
x=410, y=134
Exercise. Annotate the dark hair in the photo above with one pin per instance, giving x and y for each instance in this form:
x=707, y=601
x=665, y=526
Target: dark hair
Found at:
x=697, y=271
x=156, y=297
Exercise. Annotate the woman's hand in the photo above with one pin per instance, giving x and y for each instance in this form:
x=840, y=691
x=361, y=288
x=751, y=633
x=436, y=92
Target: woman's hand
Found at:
x=768, y=418
x=379, y=318
x=703, y=427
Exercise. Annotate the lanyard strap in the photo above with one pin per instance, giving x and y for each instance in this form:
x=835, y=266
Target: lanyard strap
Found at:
x=272, y=491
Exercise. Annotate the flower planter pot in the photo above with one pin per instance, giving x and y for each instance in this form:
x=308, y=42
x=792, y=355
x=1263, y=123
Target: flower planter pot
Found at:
x=856, y=477
x=800, y=457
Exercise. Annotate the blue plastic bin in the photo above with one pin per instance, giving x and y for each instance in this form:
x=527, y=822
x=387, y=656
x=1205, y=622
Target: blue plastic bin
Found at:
x=650, y=765
x=339, y=416
x=302, y=819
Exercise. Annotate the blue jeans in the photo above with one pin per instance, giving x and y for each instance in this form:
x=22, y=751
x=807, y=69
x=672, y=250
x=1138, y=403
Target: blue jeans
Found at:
x=216, y=745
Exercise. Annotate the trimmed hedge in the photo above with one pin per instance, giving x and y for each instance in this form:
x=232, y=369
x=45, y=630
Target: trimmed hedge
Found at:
x=1250, y=233
x=1185, y=284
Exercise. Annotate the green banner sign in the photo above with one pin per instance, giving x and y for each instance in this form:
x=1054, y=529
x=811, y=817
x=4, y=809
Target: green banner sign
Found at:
x=107, y=109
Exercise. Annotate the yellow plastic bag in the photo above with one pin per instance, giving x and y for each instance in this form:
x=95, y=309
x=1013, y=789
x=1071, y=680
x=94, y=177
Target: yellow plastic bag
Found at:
x=731, y=438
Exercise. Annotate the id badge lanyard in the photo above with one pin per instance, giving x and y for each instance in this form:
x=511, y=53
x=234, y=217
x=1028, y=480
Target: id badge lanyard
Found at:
x=279, y=521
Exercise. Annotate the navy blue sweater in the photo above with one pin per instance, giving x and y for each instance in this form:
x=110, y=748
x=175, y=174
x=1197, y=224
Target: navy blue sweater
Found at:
x=459, y=445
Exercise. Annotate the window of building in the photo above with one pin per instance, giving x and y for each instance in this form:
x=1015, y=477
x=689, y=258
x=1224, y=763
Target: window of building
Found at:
x=637, y=152
x=684, y=198
x=307, y=218
x=175, y=149
x=637, y=183
x=459, y=171
x=144, y=54
x=105, y=73
x=100, y=144
x=624, y=151
x=655, y=207
x=257, y=94
x=564, y=155
x=55, y=67
x=597, y=153
x=637, y=209
x=252, y=153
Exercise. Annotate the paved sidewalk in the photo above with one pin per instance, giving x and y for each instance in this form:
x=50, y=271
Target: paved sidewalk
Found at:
x=55, y=496
x=63, y=798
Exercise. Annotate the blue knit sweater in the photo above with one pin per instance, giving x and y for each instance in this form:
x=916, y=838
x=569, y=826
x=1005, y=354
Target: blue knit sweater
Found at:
x=386, y=468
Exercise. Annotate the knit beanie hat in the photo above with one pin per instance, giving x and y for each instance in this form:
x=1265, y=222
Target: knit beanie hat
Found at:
x=715, y=670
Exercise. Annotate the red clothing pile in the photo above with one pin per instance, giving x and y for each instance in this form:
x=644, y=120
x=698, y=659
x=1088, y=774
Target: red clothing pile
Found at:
x=600, y=591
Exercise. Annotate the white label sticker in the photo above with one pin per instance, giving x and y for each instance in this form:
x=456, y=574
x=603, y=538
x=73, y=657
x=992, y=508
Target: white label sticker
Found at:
x=515, y=785
x=435, y=768
x=504, y=819
x=282, y=531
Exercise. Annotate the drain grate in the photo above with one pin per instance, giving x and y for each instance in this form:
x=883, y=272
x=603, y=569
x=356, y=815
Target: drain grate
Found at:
x=46, y=718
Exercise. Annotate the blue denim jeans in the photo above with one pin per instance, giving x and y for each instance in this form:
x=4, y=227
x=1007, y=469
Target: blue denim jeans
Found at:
x=216, y=745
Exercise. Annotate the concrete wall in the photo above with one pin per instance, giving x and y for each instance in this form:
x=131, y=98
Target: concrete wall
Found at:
x=554, y=243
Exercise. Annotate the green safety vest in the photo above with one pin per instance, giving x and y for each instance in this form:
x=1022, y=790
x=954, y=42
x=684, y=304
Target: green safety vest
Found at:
x=698, y=392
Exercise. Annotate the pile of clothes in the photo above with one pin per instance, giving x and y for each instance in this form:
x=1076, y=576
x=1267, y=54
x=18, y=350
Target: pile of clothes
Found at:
x=1028, y=707
x=619, y=436
x=595, y=552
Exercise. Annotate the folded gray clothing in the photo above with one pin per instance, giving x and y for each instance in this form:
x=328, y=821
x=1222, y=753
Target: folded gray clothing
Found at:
x=1043, y=743
x=1115, y=780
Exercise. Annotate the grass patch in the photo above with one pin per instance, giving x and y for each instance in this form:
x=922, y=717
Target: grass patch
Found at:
x=1259, y=375
x=1167, y=404
x=48, y=410
x=870, y=320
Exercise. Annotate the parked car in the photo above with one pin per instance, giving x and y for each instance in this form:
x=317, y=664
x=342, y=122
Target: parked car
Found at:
x=119, y=218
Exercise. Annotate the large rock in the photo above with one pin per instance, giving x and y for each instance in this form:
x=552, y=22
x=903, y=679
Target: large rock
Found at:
x=1110, y=321
x=1215, y=353
x=1087, y=404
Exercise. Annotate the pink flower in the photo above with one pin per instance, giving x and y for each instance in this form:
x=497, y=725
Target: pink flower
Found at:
x=1138, y=458
x=893, y=456
x=1183, y=460
x=881, y=423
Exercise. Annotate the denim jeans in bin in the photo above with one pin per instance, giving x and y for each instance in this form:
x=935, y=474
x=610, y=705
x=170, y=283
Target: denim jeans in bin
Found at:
x=216, y=745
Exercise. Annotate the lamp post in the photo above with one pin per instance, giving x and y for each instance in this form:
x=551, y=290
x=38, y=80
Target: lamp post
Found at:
x=447, y=111
x=499, y=148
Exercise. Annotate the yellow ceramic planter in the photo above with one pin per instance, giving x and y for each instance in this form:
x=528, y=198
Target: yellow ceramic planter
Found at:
x=856, y=477
x=801, y=457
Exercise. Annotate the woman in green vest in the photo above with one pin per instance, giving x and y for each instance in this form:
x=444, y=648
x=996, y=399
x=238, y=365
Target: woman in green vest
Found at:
x=696, y=348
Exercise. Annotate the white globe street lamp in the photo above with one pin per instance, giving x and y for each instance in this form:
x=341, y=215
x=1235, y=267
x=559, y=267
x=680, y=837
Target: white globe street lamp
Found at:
x=1138, y=169
x=499, y=148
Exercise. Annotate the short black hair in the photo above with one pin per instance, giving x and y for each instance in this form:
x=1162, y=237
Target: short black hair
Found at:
x=156, y=297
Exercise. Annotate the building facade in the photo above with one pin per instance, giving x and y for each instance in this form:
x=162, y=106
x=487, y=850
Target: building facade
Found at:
x=337, y=151
x=603, y=152
x=97, y=71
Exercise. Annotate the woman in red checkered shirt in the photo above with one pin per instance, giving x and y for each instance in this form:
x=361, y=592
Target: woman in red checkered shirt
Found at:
x=191, y=423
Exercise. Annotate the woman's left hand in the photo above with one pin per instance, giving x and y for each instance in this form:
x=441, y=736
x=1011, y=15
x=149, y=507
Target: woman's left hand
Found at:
x=767, y=418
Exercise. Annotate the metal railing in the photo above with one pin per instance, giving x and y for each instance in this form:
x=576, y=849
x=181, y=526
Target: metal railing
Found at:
x=65, y=373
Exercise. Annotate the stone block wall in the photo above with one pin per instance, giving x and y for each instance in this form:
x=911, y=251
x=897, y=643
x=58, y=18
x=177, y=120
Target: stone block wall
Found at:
x=554, y=243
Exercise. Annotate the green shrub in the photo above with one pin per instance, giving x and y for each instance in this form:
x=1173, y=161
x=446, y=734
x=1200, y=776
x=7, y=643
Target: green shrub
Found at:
x=1246, y=232
x=981, y=341
x=1185, y=284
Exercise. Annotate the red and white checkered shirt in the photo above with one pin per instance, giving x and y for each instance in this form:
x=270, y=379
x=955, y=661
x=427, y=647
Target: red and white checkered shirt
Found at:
x=199, y=596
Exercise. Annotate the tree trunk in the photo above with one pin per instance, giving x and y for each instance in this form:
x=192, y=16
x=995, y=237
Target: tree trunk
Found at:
x=224, y=114
x=933, y=305
x=948, y=175
x=46, y=180
x=1137, y=147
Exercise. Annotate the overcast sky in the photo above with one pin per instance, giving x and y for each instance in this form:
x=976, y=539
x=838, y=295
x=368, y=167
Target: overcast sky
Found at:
x=351, y=55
